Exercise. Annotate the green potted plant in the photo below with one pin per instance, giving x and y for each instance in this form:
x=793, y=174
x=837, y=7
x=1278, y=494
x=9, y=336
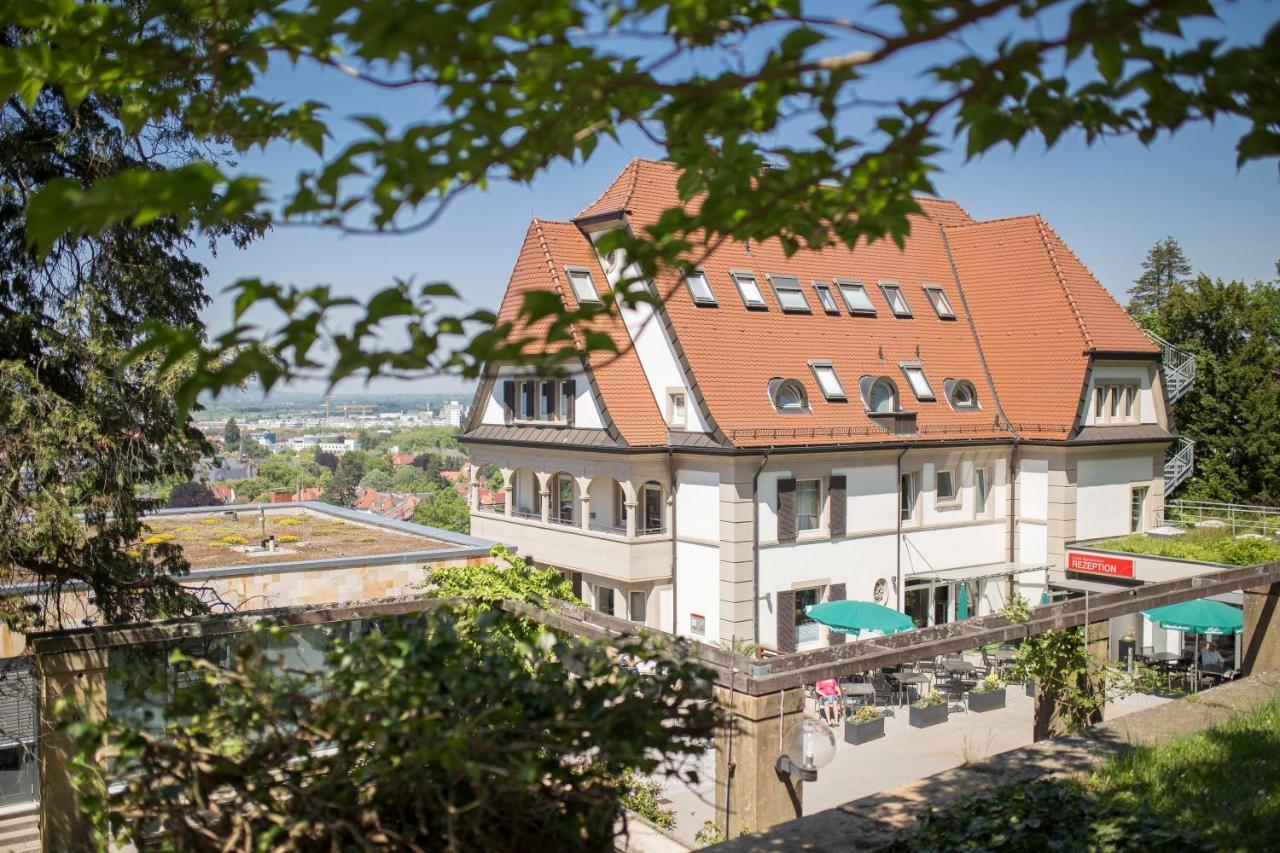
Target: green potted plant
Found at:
x=929, y=710
x=987, y=695
x=863, y=725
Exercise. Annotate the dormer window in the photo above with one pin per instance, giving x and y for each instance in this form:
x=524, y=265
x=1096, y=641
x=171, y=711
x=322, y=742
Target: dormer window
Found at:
x=699, y=287
x=894, y=296
x=855, y=297
x=826, y=298
x=825, y=374
x=880, y=395
x=749, y=289
x=584, y=287
x=1116, y=403
x=961, y=394
x=788, y=396
x=539, y=401
x=677, y=415
x=938, y=299
x=919, y=383
x=787, y=290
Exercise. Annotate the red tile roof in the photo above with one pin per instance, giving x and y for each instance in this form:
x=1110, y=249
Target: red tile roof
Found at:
x=1037, y=311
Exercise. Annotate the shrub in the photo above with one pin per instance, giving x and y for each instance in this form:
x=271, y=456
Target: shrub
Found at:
x=158, y=539
x=288, y=538
x=208, y=521
x=866, y=714
x=641, y=796
x=368, y=538
x=289, y=521
x=990, y=684
x=234, y=540
x=928, y=700
x=709, y=834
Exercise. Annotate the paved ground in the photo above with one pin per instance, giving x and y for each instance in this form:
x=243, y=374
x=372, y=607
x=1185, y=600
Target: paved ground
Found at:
x=902, y=756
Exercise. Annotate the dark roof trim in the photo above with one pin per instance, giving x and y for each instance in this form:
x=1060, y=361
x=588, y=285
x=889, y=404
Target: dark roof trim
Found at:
x=1124, y=355
x=619, y=215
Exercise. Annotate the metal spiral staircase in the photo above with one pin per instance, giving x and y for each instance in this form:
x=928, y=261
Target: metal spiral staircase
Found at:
x=1179, y=368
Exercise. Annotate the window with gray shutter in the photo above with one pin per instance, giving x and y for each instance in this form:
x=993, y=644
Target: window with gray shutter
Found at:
x=787, y=510
x=571, y=396
x=576, y=583
x=836, y=492
x=835, y=592
x=785, y=610
x=508, y=400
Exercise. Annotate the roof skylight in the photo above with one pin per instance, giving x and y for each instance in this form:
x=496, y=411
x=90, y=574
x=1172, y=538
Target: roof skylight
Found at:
x=919, y=383
x=584, y=287
x=749, y=289
x=941, y=305
x=894, y=296
x=855, y=297
x=787, y=289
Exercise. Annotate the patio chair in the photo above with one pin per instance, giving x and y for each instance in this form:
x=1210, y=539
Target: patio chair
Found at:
x=884, y=692
x=1148, y=652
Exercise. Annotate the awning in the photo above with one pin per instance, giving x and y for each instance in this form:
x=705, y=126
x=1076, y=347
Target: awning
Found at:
x=1102, y=588
x=980, y=572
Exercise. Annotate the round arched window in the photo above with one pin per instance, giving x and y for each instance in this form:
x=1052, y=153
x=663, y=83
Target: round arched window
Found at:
x=883, y=396
x=789, y=397
x=961, y=394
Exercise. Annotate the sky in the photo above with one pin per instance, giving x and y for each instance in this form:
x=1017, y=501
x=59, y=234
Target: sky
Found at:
x=1110, y=202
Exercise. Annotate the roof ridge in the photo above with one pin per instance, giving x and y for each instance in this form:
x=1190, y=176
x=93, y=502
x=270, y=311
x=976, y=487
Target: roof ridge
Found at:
x=632, y=164
x=555, y=279
x=1041, y=227
x=1085, y=267
x=993, y=221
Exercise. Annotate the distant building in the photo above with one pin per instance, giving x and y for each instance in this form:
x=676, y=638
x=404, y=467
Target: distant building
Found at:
x=215, y=469
x=453, y=413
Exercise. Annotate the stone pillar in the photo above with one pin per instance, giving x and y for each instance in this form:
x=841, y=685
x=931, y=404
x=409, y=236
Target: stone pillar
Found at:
x=632, y=507
x=79, y=677
x=738, y=593
x=747, y=746
x=545, y=494
x=586, y=511
x=1261, y=643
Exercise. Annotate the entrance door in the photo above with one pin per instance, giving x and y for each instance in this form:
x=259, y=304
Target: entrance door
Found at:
x=942, y=604
x=916, y=603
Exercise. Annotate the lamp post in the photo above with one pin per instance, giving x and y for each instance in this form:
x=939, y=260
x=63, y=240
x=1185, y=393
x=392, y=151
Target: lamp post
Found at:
x=807, y=747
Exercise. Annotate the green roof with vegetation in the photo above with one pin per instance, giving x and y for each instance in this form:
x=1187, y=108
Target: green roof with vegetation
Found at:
x=1205, y=545
x=1216, y=790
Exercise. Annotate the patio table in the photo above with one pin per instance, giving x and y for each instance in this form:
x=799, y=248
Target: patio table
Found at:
x=863, y=692
x=904, y=680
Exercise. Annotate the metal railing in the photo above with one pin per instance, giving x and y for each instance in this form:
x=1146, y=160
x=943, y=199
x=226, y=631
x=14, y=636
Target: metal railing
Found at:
x=1179, y=464
x=1240, y=518
x=1179, y=368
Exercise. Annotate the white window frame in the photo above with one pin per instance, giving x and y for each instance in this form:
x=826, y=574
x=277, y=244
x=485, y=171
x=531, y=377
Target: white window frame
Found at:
x=740, y=276
x=893, y=395
x=952, y=386
x=672, y=420
x=938, y=299
x=817, y=516
x=790, y=285
x=925, y=394
x=981, y=490
x=708, y=298
x=949, y=500
x=887, y=287
x=1117, y=402
x=911, y=479
x=825, y=368
x=574, y=275
x=776, y=392
x=613, y=599
x=845, y=285
x=644, y=606
x=1134, y=490
x=826, y=299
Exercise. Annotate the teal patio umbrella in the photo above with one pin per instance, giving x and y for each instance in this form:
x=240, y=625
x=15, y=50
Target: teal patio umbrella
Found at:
x=1199, y=616
x=962, y=602
x=854, y=617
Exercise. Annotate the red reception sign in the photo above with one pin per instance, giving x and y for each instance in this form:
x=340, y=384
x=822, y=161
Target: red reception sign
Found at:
x=1096, y=564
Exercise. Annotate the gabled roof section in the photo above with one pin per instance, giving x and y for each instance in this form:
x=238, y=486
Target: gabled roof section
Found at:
x=1039, y=315
x=618, y=378
x=617, y=196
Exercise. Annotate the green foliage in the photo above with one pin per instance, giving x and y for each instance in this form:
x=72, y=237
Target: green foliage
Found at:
x=990, y=684
x=709, y=834
x=1216, y=790
x=1205, y=545
x=1164, y=267
x=409, y=478
x=445, y=509
x=282, y=472
x=251, y=448
x=249, y=488
x=929, y=700
x=1232, y=410
x=521, y=88
x=866, y=714
x=231, y=435
x=491, y=476
x=191, y=494
x=378, y=480
x=422, y=439
x=341, y=487
x=434, y=732
x=641, y=796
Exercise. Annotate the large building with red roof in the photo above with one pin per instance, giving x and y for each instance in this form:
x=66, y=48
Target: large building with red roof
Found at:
x=925, y=426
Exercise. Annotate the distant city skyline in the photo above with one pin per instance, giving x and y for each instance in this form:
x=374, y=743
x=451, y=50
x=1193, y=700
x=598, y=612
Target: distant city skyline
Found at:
x=1110, y=202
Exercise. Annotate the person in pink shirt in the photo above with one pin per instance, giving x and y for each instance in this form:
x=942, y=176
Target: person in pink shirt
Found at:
x=829, y=696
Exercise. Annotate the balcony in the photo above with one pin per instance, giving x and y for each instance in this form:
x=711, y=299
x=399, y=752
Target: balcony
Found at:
x=604, y=551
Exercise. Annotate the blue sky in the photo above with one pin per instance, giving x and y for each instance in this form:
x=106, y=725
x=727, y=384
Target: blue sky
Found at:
x=1110, y=202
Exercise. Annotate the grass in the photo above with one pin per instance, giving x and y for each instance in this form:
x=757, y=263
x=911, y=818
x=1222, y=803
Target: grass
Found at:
x=1203, y=544
x=1219, y=789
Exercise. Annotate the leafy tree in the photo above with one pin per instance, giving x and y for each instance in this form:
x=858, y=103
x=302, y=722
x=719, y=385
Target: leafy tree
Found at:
x=422, y=439
x=378, y=480
x=250, y=488
x=491, y=476
x=366, y=440
x=1232, y=410
x=1164, y=267
x=407, y=478
x=445, y=509
x=341, y=488
x=251, y=448
x=327, y=459
x=497, y=744
x=377, y=462
x=190, y=494
x=231, y=435
x=780, y=141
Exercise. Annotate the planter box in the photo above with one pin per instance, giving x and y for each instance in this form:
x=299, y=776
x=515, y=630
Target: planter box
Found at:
x=986, y=701
x=922, y=718
x=1031, y=688
x=856, y=733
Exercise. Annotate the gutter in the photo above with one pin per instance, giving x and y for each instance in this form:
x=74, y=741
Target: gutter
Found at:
x=755, y=546
x=675, y=610
x=1013, y=522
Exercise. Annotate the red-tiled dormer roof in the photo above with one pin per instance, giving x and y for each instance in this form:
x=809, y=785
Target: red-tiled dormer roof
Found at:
x=1037, y=312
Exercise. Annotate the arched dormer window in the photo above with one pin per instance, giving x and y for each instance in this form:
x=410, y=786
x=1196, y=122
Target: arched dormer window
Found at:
x=788, y=396
x=879, y=394
x=961, y=395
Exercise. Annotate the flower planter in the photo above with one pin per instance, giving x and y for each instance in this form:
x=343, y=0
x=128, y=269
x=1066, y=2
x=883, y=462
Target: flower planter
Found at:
x=986, y=701
x=922, y=718
x=856, y=733
x=1031, y=688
